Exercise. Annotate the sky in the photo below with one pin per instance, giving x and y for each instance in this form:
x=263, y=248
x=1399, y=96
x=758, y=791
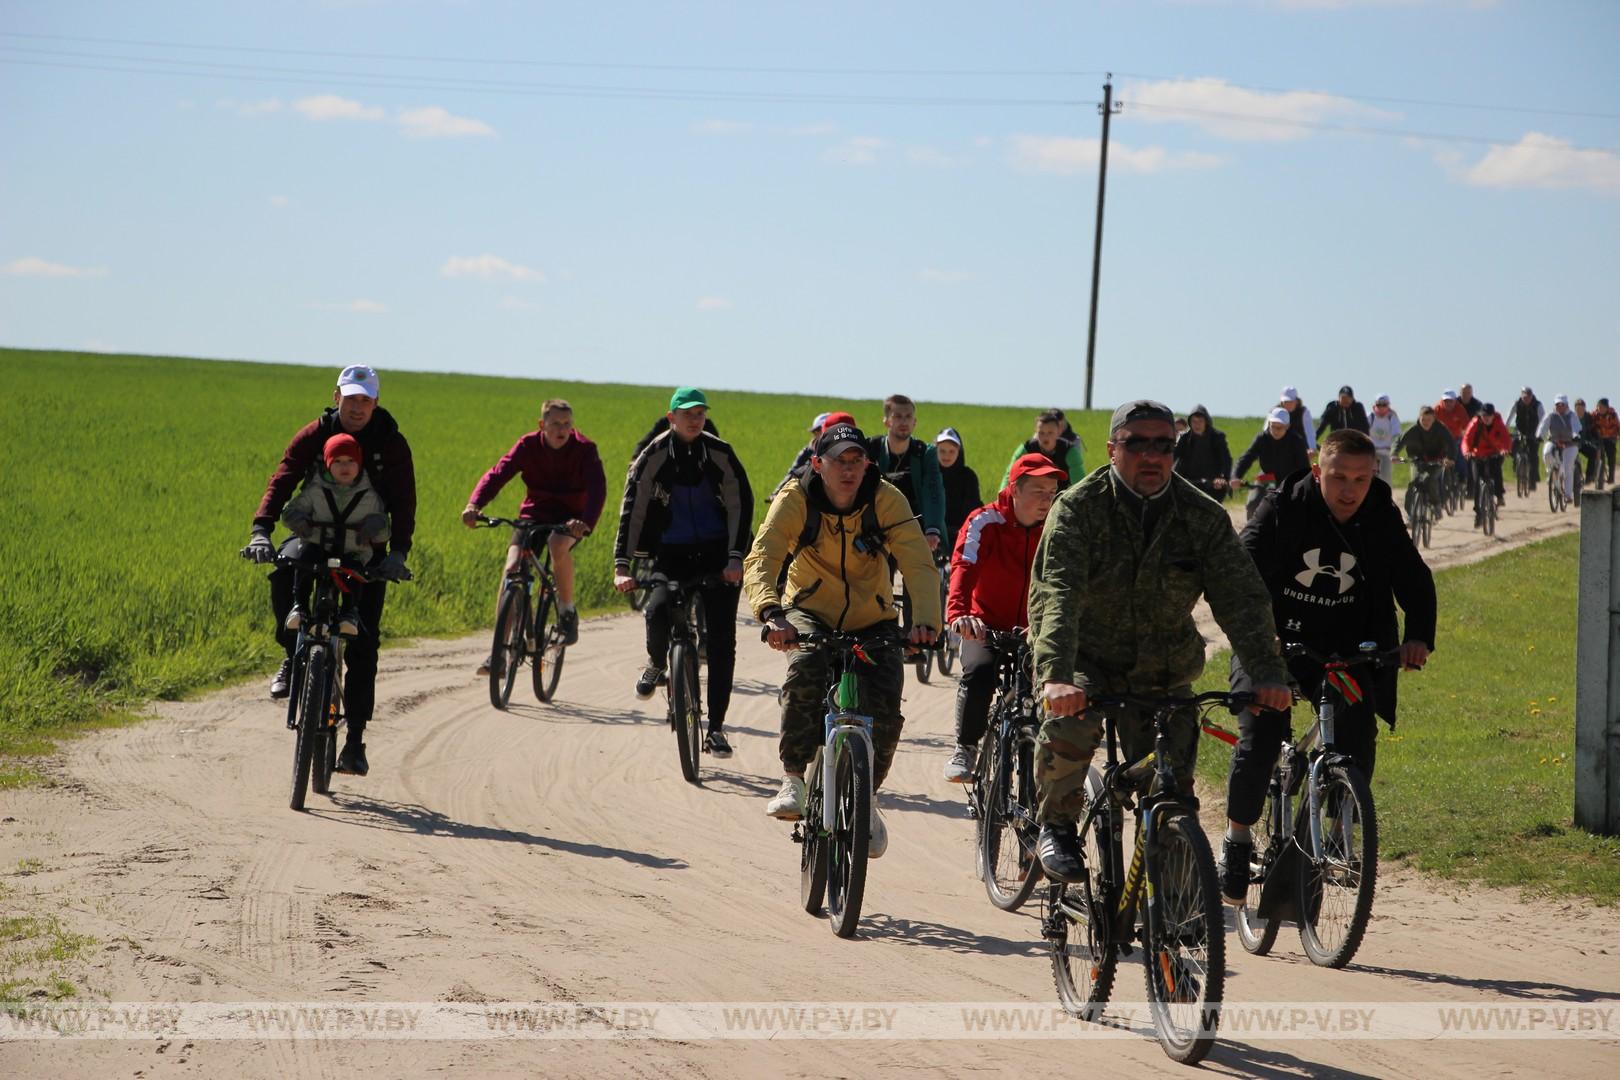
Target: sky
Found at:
x=863, y=198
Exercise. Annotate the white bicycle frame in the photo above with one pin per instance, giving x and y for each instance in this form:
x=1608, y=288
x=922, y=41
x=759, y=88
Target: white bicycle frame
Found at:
x=849, y=725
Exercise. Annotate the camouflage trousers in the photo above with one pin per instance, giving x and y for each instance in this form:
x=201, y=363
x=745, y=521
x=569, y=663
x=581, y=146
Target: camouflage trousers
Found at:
x=804, y=702
x=1065, y=745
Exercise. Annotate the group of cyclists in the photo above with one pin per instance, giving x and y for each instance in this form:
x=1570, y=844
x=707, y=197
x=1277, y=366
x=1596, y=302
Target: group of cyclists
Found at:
x=1101, y=570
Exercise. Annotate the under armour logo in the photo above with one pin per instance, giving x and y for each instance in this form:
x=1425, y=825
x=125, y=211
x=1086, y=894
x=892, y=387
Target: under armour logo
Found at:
x=1313, y=567
x=1294, y=624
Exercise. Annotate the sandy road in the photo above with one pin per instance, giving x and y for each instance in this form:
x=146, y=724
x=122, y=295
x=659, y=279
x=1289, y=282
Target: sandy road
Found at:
x=554, y=854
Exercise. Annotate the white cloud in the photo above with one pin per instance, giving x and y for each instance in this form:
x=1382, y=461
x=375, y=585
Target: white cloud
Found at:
x=280, y=202
x=944, y=277
x=354, y=307
x=432, y=122
x=249, y=108
x=34, y=266
x=1234, y=112
x=723, y=127
x=713, y=303
x=1543, y=161
x=332, y=107
x=857, y=150
x=1067, y=155
x=488, y=268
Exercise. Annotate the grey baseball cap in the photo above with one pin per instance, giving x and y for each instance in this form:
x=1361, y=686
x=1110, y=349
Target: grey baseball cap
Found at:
x=1140, y=409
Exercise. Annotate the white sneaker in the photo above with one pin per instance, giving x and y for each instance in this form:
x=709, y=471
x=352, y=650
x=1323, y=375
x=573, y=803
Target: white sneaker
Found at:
x=878, y=840
x=789, y=802
x=959, y=770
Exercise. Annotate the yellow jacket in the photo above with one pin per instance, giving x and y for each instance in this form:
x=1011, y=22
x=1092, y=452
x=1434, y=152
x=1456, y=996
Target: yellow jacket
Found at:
x=832, y=578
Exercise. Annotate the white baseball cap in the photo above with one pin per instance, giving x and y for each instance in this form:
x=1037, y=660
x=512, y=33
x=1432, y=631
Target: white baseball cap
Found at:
x=1561, y=399
x=1289, y=393
x=948, y=435
x=357, y=379
x=1279, y=416
x=1381, y=399
x=1449, y=395
x=815, y=425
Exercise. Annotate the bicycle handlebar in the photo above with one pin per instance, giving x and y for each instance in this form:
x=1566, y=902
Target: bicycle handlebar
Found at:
x=519, y=523
x=315, y=566
x=1370, y=654
x=1236, y=702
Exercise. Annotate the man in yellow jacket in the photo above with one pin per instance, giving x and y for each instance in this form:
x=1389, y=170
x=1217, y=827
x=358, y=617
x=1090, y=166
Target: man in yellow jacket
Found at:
x=840, y=524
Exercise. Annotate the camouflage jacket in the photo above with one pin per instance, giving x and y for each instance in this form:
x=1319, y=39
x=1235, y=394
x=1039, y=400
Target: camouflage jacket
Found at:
x=1110, y=613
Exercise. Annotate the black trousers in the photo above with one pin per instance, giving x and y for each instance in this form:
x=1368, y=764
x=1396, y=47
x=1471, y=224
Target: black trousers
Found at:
x=359, y=654
x=719, y=619
x=974, y=692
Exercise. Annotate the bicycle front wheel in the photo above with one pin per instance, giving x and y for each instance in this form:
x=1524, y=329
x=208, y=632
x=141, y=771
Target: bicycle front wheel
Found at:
x=1487, y=516
x=1184, y=946
x=1336, y=884
x=546, y=660
x=506, y=651
x=851, y=833
x=1422, y=519
x=1011, y=869
x=684, y=707
x=311, y=717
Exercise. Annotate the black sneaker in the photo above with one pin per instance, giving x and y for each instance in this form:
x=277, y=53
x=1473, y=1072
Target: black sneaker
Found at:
x=568, y=623
x=352, y=759
x=649, y=680
x=281, y=681
x=1059, y=849
x=1235, y=858
x=715, y=743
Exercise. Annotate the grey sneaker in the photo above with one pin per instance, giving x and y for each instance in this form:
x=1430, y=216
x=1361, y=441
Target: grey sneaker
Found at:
x=789, y=802
x=877, y=840
x=959, y=770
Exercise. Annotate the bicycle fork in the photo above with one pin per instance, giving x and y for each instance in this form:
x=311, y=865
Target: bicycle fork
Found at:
x=838, y=729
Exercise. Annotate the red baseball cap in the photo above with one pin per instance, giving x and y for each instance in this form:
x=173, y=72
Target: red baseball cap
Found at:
x=836, y=418
x=1037, y=465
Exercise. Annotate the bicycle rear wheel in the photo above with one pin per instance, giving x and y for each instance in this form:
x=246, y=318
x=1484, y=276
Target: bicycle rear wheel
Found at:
x=1184, y=946
x=1257, y=935
x=311, y=717
x=684, y=707
x=1011, y=869
x=851, y=833
x=506, y=651
x=638, y=570
x=1336, y=887
x=812, y=842
x=546, y=661
x=1084, y=958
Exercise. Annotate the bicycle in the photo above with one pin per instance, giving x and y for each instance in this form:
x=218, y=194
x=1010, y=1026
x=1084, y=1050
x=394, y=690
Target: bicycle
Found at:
x=1524, y=464
x=920, y=657
x=315, y=695
x=1171, y=885
x=683, y=689
x=837, y=825
x=1485, y=498
x=1557, y=502
x=1421, y=509
x=523, y=627
x=950, y=643
x=1452, y=491
x=1316, y=864
x=1262, y=485
x=1001, y=796
x=640, y=566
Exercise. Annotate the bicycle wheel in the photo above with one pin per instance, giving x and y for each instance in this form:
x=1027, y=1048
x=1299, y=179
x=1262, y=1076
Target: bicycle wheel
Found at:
x=311, y=716
x=1555, y=491
x=1084, y=959
x=1011, y=867
x=324, y=760
x=1487, y=496
x=948, y=652
x=1336, y=890
x=1421, y=519
x=637, y=597
x=984, y=767
x=1521, y=475
x=506, y=651
x=684, y=707
x=1255, y=934
x=851, y=832
x=546, y=660
x=812, y=842
x=923, y=663
x=1184, y=946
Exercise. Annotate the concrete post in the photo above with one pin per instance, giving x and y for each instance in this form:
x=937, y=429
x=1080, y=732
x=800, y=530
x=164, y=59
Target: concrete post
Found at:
x=1597, y=666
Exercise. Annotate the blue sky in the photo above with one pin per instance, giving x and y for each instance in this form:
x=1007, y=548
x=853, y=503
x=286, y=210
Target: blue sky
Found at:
x=865, y=197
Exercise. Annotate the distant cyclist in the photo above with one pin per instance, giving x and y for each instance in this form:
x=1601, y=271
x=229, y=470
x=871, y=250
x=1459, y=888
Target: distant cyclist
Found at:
x=1524, y=420
x=1430, y=448
x=1384, y=427
x=1299, y=416
x=961, y=483
x=1450, y=411
x=1279, y=450
x=1587, y=440
x=911, y=465
x=1606, y=425
x=564, y=484
x=1343, y=413
x=1485, y=442
x=1055, y=439
x=1465, y=394
x=990, y=570
x=1202, y=456
x=1561, y=430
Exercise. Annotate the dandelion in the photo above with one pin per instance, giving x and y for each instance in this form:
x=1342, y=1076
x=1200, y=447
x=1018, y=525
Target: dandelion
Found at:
x=1535, y=712
x=1551, y=700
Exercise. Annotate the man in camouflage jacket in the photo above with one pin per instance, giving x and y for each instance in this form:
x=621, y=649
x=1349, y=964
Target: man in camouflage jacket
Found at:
x=1125, y=555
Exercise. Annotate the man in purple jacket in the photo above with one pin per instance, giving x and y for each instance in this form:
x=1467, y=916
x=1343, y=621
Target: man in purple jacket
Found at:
x=562, y=473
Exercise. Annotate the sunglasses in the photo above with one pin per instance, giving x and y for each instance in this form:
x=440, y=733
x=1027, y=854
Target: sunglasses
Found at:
x=1143, y=444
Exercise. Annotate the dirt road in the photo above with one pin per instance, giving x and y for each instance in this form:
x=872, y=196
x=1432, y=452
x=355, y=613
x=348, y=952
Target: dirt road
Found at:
x=554, y=854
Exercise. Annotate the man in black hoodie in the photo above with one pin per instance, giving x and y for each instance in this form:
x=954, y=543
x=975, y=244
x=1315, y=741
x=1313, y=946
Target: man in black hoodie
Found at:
x=1202, y=455
x=1344, y=413
x=1336, y=558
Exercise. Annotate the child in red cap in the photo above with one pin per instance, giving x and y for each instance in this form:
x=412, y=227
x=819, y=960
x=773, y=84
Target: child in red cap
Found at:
x=341, y=514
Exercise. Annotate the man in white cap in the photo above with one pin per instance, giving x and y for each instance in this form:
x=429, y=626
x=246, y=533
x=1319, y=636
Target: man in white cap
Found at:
x=1281, y=452
x=1299, y=416
x=389, y=467
x=1385, y=429
x=1561, y=429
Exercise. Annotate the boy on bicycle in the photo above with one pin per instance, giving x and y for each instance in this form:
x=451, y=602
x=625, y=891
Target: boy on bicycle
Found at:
x=990, y=589
x=563, y=485
x=840, y=524
x=1336, y=558
x=1485, y=441
x=340, y=513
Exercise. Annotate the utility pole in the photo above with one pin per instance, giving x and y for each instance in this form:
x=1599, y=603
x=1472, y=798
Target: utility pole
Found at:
x=1107, y=108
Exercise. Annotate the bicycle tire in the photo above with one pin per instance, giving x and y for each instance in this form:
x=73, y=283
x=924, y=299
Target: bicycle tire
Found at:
x=684, y=707
x=506, y=648
x=546, y=664
x=1011, y=868
x=1555, y=491
x=637, y=597
x=812, y=841
x=311, y=715
x=979, y=793
x=324, y=760
x=1487, y=515
x=923, y=663
x=1083, y=971
x=1346, y=890
x=1184, y=943
x=850, y=836
x=948, y=652
x=1255, y=936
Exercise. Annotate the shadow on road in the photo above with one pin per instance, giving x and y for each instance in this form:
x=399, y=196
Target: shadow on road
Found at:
x=373, y=813
x=881, y=927
x=923, y=803
x=1239, y=1059
x=1519, y=988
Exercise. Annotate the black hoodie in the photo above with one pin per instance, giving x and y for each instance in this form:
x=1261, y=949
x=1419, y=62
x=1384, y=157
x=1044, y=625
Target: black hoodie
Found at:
x=961, y=496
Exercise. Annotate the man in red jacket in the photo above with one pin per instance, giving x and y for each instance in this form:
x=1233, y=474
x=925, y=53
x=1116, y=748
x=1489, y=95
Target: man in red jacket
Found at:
x=564, y=485
x=990, y=589
x=1485, y=441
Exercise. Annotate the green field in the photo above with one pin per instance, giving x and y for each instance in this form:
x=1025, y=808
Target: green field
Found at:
x=131, y=481
x=1477, y=780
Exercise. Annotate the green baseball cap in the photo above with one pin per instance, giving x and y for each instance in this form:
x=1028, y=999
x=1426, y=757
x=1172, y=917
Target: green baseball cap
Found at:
x=687, y=397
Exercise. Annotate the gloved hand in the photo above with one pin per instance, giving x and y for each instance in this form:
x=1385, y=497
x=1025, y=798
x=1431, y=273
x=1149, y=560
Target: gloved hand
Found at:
x=259, y=549
x=372, y=529
x=300, y=524
x=393, y=567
